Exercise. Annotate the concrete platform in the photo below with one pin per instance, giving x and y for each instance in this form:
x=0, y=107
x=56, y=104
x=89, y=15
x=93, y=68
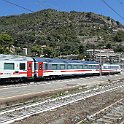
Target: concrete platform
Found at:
x=14, y=92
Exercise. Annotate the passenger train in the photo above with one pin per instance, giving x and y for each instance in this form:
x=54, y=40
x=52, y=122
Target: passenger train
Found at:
x=22, y=67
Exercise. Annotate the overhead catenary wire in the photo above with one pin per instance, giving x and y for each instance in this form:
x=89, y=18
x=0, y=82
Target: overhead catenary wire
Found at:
x=112, y=9
x=19, y=6
x=24, y=8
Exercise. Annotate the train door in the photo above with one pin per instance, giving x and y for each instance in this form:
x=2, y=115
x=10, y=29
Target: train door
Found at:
x=40, y=69
x=29, y=69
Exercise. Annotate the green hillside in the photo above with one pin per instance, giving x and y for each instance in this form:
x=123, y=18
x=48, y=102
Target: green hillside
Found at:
x=61, y=33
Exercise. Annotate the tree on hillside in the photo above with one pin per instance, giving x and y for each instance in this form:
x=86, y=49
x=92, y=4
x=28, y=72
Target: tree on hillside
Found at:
x=1, y=49
x=81, y=49
x=108, y=46
x=119, y=36
x=6, y=41
x=36, y=50
x=119, y=48
x=48, y=52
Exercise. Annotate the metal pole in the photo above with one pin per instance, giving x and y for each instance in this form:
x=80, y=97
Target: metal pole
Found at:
x=100, y=64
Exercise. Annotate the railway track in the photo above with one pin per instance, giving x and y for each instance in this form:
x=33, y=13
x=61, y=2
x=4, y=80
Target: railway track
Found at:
x=113, y=114
x=20, y=112
x=48, y=81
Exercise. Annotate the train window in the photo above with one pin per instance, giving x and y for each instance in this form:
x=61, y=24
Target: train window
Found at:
x=36, y=66
x=46, y=66
x=29, y=66
x=40, y=66
x=85, y=66
x=9, y=66
x=109, y=67
x=112, y=67
x=75, y=67
x=54, y=66
x=90, y=66
x=62, y=66
x=80, y=66
x=69, y=66
x=105, y=67
x=97, y=66
x=116, y=67
x=94, y=66
x=22, y=66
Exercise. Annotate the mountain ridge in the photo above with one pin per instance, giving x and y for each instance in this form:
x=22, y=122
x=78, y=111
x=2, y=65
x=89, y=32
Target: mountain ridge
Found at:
x=62, y=32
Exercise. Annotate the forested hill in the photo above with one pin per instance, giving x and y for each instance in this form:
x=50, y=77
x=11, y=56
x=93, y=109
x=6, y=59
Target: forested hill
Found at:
x=60, y=32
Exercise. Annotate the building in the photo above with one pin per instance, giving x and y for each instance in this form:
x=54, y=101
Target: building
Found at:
x=92, y=52
x=103, y=55
x=107, y=57
x=25, y=51
x=72, y=56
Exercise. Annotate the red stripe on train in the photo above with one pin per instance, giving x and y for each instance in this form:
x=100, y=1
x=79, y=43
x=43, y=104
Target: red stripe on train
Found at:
x=21, y=72
x=47, y=71
x=75, y=70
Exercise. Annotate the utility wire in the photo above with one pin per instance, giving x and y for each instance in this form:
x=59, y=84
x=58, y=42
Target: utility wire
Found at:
x=18, y=5
x=33, y=11
x=112, y=9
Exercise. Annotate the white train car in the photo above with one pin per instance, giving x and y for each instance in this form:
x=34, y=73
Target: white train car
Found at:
x=14, y=66
x=19, y=67
x=111, y=68
x=61, y=67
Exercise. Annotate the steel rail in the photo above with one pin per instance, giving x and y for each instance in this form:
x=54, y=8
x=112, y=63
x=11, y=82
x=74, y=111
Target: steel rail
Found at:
x=24, y=111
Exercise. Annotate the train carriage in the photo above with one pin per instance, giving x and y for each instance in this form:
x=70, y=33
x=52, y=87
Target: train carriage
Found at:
x=61, y=67
x=111, y=68
x=45, y=67
x=14, y=66
x=20, y=67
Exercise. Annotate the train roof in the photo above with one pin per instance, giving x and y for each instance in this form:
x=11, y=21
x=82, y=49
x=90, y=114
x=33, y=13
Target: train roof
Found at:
x=56, y=60
x=4, y=57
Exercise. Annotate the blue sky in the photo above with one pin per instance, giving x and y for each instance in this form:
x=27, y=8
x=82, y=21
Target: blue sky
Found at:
x=96, y=6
